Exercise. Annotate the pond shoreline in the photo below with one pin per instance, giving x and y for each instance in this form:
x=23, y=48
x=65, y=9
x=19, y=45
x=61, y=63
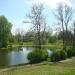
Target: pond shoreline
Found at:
x=21, y=66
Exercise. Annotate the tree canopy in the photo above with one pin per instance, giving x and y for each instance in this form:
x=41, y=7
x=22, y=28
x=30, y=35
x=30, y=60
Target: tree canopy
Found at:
x=5, y=31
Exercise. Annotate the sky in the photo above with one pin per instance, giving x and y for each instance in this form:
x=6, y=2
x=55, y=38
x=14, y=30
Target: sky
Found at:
x=15, y=11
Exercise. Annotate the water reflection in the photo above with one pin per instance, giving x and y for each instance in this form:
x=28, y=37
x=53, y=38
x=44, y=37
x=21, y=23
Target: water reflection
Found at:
x=4, y=58
x=19, y=56
x=15, y=56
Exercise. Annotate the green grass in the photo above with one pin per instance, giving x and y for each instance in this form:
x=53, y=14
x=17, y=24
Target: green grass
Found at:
x=66, y=67
x=21, y=44
x=57, y=45
x=53, y=46
x=14, y=45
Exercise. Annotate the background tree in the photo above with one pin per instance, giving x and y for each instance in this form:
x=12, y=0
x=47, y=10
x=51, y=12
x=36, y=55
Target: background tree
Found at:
x=74, y=34
x=64, y=16
x=29, y=36
x=69, y=39
x=19, y=34
x=5, y=31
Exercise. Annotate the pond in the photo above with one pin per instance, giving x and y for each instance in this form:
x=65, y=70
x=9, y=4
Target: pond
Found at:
x=15, y=56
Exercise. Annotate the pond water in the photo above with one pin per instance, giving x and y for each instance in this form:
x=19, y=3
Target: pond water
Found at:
x=15, y=56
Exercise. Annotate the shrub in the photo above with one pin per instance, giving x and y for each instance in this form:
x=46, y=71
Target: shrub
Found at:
x=63, y=55
x=55, y=56
x=58, y=55
x=71, y=52
x=48, y=59
x=37, y=56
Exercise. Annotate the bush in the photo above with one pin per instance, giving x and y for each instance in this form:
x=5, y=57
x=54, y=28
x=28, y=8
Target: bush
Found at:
x=37, y=56
x=71, y=52
x=63, y=55
x=58, y=55
x=55, y=56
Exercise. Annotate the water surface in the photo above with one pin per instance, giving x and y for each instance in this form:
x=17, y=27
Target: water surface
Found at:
x=15, y=56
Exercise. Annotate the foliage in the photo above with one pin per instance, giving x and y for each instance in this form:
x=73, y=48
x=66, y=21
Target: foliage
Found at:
x=52, y=39
x=12, y=39
x=68, y=37
x=58, y=55
x=18, y=37
x=5, y=31
x=28, y=37
x=63, y=55
x=55, y=56
x=37, y=56
x=70, y=52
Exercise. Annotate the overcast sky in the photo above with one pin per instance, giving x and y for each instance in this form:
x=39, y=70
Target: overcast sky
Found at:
x=15, y=11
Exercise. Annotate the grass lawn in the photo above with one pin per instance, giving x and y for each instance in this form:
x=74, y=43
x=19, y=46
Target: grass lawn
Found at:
x=66, y=67
x=54, y=46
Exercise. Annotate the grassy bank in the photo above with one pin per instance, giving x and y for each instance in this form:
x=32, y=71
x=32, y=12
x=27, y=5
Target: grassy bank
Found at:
x=14, y=45
x=66, y=67
x=57, y=45
x=53, y=46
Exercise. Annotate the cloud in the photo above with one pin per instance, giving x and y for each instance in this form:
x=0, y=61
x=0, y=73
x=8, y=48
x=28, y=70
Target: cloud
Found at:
x=50, y=3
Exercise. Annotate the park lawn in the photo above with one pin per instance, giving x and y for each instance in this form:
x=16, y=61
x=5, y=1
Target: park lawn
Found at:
x=66, y=67
x=53, y=46
x=20, y=44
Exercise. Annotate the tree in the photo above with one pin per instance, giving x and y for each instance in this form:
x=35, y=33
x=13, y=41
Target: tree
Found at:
x=5, y=31
x=19, y=35
x=64, y=16
x=39, y=24
x=28, y=37
x=69, y=38
x=74, y=34
x=52, y=39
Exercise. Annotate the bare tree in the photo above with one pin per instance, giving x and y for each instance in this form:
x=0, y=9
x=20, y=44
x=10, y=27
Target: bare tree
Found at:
x=64, y=16
x=39, y=23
